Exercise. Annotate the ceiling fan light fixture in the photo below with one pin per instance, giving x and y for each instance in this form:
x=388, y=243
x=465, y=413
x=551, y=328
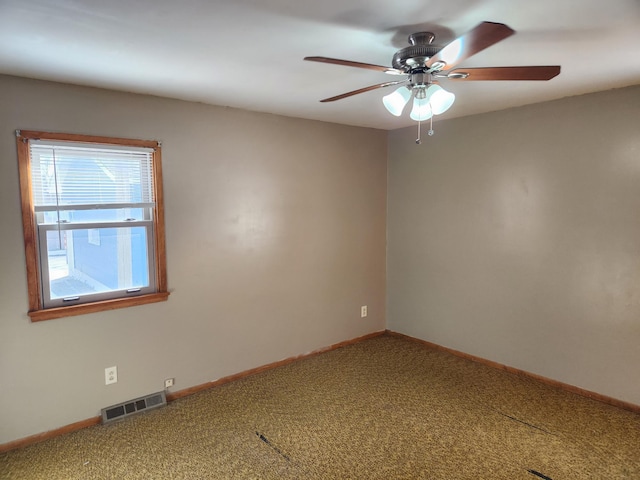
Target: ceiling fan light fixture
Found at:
x=421, y=110
x=396, y=101
x=439, y=99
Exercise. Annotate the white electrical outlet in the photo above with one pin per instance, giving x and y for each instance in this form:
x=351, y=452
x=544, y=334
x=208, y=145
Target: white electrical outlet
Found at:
x=110, y=375
x=168, y=383
x=363, y=311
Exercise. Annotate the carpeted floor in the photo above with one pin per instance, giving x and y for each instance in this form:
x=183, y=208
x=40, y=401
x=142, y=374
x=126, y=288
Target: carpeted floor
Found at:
x=385, y=408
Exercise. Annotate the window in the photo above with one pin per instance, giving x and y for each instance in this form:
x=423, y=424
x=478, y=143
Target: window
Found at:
x=93, y=223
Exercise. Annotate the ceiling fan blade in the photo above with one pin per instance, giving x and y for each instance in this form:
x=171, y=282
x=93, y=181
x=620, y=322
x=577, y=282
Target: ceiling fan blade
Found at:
x=543, y=72
x=481, y=37
x=362, y=90
x=349, y=63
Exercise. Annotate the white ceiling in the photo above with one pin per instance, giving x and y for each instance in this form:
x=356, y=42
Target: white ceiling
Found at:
x=248, y=53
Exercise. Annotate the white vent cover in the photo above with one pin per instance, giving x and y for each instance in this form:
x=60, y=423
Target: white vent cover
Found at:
x=131, y=407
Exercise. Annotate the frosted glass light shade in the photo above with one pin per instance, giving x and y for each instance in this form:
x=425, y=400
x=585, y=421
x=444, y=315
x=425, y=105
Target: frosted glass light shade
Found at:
x=439, y=99
x=421, y=110
x=395, y=101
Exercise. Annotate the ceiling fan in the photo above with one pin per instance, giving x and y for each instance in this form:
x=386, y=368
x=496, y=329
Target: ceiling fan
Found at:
x=424, y=63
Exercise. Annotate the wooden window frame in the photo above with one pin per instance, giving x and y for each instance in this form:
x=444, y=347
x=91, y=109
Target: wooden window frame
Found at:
x=36, y=311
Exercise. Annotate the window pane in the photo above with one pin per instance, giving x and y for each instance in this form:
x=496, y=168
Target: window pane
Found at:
x=97, y=260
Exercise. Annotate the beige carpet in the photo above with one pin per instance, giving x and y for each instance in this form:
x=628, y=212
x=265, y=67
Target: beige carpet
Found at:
x=385, y=408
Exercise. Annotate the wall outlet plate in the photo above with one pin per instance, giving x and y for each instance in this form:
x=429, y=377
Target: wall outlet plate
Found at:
x=110, y=375
x=168, y=383
x=363, y=311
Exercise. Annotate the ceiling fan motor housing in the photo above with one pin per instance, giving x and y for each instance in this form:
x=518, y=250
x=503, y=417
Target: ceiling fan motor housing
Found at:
x=418, y=54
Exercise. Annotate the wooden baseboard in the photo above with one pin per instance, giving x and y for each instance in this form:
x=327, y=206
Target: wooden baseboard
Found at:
x=40, y=437
x=516, y=371
x=279, y=363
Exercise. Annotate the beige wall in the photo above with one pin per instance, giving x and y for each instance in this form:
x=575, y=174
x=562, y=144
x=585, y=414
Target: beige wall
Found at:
x=512, y=235
x=515, y=236
x=275, y=234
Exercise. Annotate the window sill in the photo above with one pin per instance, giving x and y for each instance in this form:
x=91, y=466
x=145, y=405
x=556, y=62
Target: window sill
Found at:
x=59, y=312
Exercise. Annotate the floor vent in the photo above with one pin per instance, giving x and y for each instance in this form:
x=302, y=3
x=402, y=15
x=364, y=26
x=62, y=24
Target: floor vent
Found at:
x=131, y=407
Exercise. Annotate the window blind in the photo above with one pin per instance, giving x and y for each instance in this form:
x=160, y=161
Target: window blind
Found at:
x=79, y=177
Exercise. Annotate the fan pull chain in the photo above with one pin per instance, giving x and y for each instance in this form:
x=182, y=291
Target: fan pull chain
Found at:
x=430, y=132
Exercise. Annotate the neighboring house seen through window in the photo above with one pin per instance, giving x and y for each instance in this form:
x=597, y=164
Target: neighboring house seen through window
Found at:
x=93, y=223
